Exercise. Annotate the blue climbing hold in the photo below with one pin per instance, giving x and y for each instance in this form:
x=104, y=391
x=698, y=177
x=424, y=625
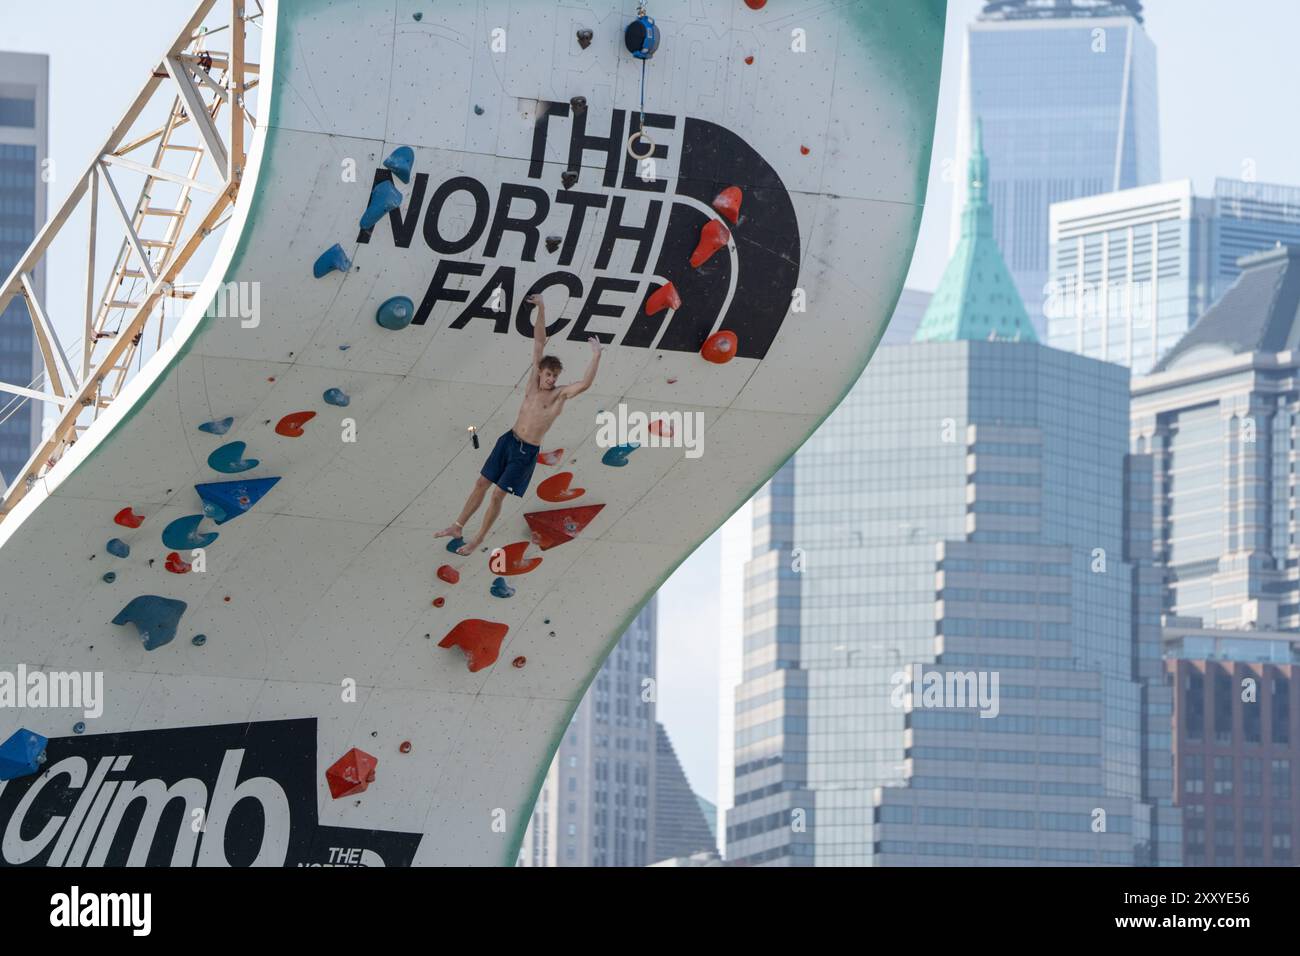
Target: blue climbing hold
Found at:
x=224, y=500
x=344, y=348
x=183, y=534
x=198, y=640
x=155, y=618
x=501, y=589
x=79, y=727
x=218, y=426
x=332, y=258
x=455, y=544
x=395, y=313
x=110, y=577
x=400, y=162
x=22, y=754
x=336, y=396
x=384, y=198
x=118, y=548
x=616, y=457
x=229, y=459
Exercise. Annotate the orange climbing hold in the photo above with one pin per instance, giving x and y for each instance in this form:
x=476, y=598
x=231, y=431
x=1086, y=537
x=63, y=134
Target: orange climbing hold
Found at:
x=351, y=773
x=127, y=518
x=728, y=201
x=664, y=297
x=449, y=574
x=510, y=559
x=291, y=425
x=479, y=640
x=662, y=428
x=556, y=488
x=551, y=528
x=713, y=237
x=176, y=565
x=720, y=347
x=550, y=457
x=749, y=60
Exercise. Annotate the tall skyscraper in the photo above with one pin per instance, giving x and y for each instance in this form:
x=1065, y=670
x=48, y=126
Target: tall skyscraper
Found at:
x=1131, y=271
x=968, y=520
x=1218, y=414
x=24, y=139
x=1066, y=90
x=615, y=794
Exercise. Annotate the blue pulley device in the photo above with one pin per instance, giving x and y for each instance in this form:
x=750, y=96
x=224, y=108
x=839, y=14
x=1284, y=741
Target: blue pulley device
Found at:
x=642, y=37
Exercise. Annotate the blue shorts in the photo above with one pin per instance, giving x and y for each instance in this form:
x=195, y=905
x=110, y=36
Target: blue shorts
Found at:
x=510, y=466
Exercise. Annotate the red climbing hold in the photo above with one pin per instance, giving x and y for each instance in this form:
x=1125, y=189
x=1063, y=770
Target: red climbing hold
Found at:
x=720, y=347
x=176, y=565
x=749, y=61
x=291, y=425
x=805, y=150
x=439, y=601
x=510, y=559
x=664, y=297
x=728, y=201
x=519, y=661
x=449, y=574
x=352, y=773
x=713, y=237
x=756, y=4
x=480, y=641
x=661, y=427
x=550, y=457
x=672, y=381
x=551, y=528
x=556, y=488
x=128, y=518
x=404, y=746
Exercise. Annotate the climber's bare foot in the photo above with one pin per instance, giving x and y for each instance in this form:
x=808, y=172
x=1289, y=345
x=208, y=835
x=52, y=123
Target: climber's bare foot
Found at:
x=469, y=547
x=453, y=530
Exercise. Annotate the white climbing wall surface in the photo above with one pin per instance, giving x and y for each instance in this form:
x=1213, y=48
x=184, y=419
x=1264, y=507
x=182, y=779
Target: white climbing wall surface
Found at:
x=319, y=664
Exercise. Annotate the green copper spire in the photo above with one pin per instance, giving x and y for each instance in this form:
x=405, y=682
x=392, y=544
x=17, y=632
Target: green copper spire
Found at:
x=976, y=298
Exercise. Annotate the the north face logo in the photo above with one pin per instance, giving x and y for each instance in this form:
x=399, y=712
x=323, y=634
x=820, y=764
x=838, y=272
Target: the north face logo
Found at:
x=608, y=232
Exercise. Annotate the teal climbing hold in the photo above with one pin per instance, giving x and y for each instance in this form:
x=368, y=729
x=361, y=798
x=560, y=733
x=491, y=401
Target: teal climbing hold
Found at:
x=183, y=534
x=400, y=162
x=395, y=313
x=616, y=457
x=224, y=500
x=118, y=548
x=218, y=426
x=454, y=544
x=79, y=727
x=331, y=259
x=336, y=396
x=384, y=198
x=501, y=589
x=154, y=617
x=198, y=640
x=22, y=754
x=229, y=459
x=110, y=577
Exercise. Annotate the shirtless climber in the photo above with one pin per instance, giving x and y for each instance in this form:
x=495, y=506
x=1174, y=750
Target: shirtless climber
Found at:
x=510, y=466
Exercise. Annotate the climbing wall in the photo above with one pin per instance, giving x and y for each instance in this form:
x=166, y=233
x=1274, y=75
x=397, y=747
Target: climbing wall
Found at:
x=244, y=544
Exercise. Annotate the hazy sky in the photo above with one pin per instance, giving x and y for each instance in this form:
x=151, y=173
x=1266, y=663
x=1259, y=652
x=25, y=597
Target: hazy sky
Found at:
x=1227, y=97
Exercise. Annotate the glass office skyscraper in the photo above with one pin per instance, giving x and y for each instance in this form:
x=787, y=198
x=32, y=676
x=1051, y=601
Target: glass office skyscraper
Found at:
x=1066, y=90
x=24, y=102
x=1131, y=271
x=969, y=513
